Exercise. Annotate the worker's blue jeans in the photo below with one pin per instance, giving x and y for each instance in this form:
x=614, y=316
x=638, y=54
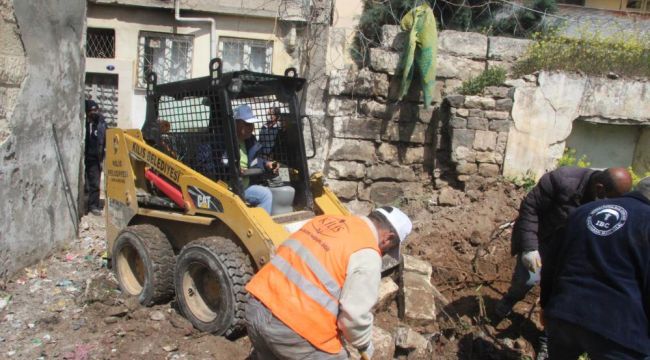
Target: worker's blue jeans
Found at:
x=569, y=341
x=261, y=196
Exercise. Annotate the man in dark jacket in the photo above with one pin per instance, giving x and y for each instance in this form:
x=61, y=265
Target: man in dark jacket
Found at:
x=543, y=213
x=94, y=154
x=597, y=298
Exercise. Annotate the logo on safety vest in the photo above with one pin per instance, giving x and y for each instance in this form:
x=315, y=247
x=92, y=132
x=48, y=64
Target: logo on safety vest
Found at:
x=606, y=219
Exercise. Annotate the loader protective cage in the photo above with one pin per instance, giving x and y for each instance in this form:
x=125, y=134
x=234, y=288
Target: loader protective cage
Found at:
x=192, y=121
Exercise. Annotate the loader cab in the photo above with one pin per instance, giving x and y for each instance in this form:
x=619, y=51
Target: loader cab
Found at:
x=193, y=122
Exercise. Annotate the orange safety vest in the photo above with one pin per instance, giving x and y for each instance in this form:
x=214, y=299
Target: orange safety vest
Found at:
x=302, y=284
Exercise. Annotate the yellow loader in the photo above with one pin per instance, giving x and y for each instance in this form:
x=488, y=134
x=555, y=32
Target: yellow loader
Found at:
x=177, y=222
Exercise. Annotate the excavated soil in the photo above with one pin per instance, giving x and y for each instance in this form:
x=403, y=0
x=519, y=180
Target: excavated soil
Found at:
x=69, y=307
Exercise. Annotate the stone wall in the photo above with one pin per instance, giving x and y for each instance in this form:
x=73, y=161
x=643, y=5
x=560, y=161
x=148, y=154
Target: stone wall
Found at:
x=478, y=130
x=379, y=150
x=41, y=78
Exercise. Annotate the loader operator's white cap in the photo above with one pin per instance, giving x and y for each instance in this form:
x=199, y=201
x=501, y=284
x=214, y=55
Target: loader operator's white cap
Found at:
x=244, y=112
x=400, y=223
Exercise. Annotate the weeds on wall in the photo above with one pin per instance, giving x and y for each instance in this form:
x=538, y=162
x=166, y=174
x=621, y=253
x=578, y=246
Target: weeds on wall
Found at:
x=591, y=53
x=490, y=77
x=636, y=177
x=569, y=158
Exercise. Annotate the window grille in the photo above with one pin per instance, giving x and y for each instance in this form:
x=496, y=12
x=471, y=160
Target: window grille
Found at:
x=246, y=54
x=638, y=5
x=168, y=55
x=100, y=43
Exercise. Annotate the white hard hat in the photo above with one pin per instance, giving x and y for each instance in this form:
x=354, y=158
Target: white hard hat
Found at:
x=400, y=223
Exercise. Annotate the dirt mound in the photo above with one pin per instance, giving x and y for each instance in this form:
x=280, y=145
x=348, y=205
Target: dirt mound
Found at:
x=69, y=307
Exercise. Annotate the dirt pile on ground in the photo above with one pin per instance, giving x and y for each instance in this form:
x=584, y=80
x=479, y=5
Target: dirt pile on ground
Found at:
x=69, y=306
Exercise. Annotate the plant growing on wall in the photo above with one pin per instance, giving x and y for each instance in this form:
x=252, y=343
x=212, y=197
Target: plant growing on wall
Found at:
x=591, y=53
x=569, y=158
x=490, y=77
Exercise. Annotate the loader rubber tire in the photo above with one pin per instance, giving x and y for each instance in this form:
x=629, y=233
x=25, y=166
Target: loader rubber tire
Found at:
x=143, y=262
x=210, y=277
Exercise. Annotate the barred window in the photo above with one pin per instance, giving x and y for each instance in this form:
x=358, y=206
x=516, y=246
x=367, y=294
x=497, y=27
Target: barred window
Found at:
x=240, y=54
x=100, y=43
x=638, y=5
x=168, y=55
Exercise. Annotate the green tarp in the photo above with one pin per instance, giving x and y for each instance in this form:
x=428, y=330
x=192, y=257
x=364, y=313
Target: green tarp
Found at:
x=421, y=51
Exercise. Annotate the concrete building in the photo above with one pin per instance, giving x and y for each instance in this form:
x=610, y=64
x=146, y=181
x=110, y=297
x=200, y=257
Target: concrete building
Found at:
x=127, y=38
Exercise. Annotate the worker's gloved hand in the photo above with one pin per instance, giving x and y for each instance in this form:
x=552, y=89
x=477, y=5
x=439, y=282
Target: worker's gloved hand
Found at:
x=367, y=351
x=532, y=261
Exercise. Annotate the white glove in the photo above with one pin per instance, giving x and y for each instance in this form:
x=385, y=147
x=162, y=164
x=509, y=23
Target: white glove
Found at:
x=368, y=351
x=532, y=261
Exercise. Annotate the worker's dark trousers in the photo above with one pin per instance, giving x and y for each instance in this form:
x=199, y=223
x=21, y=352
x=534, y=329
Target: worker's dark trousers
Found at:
x=93, y=176
x=568, y=341
x=273, y=340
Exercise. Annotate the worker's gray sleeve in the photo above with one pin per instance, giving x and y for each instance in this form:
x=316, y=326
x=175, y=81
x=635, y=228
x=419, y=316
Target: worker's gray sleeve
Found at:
x=358, y=296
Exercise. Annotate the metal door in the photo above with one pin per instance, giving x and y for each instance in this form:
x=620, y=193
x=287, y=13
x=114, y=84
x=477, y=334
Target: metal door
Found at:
x=103, y=89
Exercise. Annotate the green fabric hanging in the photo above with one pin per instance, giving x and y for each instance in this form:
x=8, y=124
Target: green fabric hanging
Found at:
x=422, y=48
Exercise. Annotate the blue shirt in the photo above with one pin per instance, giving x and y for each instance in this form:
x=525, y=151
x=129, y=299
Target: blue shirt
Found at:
x=601, y=277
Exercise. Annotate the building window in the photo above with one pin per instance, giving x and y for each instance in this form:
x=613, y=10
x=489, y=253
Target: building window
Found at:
x=241, y=54
x=168, y=55
x=638, y=5
x=100, y=43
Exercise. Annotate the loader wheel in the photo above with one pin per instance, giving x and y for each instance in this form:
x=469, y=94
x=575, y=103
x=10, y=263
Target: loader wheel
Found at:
x=210, y=277
x=143, y=261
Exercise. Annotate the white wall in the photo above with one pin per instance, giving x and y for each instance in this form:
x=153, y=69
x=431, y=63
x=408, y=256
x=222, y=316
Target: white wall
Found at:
x=129, y=21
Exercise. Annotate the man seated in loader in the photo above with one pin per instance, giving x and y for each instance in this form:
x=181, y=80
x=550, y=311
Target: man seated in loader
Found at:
x=256, y=195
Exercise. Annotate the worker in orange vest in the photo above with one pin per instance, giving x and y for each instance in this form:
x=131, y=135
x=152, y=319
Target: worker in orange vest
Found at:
x=322, y=284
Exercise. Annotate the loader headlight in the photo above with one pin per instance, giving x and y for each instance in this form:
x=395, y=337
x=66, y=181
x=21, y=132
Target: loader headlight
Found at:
x=235, y=86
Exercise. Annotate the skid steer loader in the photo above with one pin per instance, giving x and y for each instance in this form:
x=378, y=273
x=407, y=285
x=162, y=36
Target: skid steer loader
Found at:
x=177, y=222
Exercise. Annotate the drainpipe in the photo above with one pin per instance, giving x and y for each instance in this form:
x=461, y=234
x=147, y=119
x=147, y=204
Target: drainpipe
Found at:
x=213, y=26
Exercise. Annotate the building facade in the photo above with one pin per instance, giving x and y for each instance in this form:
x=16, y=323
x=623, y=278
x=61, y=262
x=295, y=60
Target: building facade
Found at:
x=128, y=38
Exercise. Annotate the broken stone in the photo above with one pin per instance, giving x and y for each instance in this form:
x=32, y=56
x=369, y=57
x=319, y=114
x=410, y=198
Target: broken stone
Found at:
x=99, y=289
x=117, y=311
x=412, y=264
x=170, y=348
x=408, y=339
x=157, y=316
x=110, y=320
x=417, y=303
x=475, y=238
x=387, y=291
x=449, y=197
x=383, y=342
x=467, y=44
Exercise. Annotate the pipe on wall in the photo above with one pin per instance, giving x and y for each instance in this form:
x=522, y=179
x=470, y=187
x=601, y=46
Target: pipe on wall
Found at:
x=213, y=26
